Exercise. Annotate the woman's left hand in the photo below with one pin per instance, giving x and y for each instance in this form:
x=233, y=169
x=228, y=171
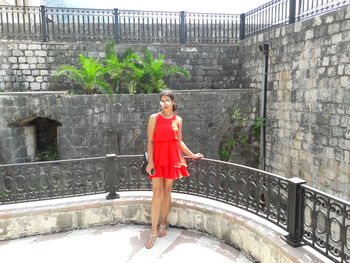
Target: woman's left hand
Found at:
x=197, y=156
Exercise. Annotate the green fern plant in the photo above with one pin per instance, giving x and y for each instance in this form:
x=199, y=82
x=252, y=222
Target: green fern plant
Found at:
x=149, y=73
x=90, y=75
x=120, y=67
x=259, y=122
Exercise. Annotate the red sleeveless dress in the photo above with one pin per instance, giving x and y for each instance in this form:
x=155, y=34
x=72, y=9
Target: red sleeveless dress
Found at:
x=167, y=156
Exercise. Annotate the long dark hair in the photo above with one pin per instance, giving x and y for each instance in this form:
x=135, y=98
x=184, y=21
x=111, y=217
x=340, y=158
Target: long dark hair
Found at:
x=170, y=94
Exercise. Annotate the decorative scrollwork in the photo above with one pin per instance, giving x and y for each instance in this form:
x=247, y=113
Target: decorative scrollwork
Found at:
x=37, y=181
x=326, y=224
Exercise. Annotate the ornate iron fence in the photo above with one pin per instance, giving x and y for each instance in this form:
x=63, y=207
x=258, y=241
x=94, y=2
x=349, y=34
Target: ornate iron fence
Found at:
x=308, y=215
x=54, y=179
x=326, y=224
x=266, y=17
x=74, y=24
x=277, y=13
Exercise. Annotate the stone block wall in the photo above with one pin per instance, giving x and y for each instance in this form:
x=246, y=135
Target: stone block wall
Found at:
x=30, y=66
x=94, y=125
x=308, y=105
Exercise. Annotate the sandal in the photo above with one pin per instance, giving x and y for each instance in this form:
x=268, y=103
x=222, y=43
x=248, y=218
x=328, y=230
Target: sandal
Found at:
x=151, y=241
x=162, y=231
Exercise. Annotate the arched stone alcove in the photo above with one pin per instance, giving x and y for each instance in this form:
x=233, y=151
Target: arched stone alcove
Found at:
x=40, y=137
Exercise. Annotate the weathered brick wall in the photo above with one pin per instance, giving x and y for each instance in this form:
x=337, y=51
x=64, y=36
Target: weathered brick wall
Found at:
x=94, y=125
x=30, y=66
x=308, y=105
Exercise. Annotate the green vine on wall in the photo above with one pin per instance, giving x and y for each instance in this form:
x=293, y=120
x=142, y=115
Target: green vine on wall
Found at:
x=239, y=136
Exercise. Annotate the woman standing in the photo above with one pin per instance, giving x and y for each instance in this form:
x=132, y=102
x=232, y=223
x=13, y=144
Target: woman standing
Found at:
x=166, y=163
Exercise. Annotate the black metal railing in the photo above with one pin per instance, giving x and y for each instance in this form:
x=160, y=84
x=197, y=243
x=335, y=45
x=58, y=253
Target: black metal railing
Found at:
x=266, y=17
x=326, y=224
x=75, y=24
x=48, y=180
x=308, y=215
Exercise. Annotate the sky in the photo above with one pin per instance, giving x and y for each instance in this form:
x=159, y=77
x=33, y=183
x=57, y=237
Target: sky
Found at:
x=201, y=6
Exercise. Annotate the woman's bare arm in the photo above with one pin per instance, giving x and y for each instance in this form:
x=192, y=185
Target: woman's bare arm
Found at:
x=150, y=131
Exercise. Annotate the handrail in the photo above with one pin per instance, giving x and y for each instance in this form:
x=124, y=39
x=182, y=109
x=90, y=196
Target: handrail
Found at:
x=308, y=215
x=128, y=26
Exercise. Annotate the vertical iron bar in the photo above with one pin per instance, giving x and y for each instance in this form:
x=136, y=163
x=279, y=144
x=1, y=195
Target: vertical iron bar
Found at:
x=7, y=23
x=166, y=29
x=58, y=24
x=35, y=23
x=109, y=25
x=43, y=23
x=189, y=27
x=148, y=29
x=139, y=28
x=295, y=222
x=242, y=27
x=116, y=25
x=2, y=22
x=328, y=228
x=224, y=37
x=79, y=19
x=203, y=30
x=292, y=7
x=111, y=168
x=157, y=27
x=126, y=15
x=194, y=30
x=73, y=25
x=88, y=25
x=182, y=28
x=99, y=25
x=13, y=23
x=207, y=27
x=63, y=24
x=68, y=26
x=143, y=28
x=343, y=235
x=129, y=26
x=83, y=26
x=18, y=23
x=215, y=30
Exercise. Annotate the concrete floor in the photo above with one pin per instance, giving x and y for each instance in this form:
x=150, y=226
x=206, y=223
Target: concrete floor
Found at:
x=119, y=243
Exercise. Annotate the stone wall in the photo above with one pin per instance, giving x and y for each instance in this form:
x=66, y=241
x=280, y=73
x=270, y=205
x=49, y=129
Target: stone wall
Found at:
x=308, y=105
x=94, y=125
x=30, y=66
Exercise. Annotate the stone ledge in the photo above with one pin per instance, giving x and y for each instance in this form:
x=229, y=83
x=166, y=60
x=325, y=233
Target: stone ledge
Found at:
x=25, y=93
x=254, y=235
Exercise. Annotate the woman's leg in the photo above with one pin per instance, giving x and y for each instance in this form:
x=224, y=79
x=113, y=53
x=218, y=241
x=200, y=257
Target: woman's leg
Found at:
x=168, y=186
x=158, y=192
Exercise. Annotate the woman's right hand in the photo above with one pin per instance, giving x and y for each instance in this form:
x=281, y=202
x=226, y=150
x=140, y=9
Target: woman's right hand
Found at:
x=150, y=168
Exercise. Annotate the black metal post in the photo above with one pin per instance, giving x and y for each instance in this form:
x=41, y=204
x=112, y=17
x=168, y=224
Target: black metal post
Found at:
x=292, y=8
x=242, y=27
x=263, y=105
x=111, y=168
x=43, y=23
x=116, y=25
x=295, y=223
x=183, y=32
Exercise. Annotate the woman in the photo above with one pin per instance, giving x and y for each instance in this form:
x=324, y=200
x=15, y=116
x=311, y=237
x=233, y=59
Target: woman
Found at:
x=166, y=163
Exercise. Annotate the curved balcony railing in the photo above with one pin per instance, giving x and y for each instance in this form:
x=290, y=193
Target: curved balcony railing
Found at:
x=137, y=26
x=309, y=216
